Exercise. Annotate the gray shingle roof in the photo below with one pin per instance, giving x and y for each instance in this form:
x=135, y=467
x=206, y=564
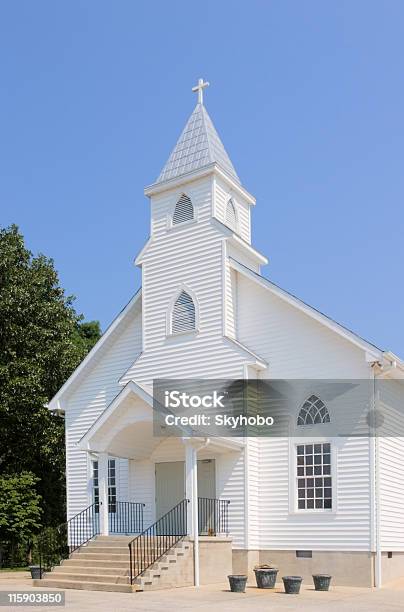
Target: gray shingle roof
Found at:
x=198, y=146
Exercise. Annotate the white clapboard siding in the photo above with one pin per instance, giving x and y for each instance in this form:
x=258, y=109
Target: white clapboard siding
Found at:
x=391, y=461
x=296, y=346
x=89, y=399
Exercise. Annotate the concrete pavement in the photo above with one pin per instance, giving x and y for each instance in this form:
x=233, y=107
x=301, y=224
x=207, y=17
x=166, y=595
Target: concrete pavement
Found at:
x=214, y=598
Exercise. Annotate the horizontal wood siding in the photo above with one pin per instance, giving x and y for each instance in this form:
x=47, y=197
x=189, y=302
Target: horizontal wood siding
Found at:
x=391, y=466
x=296, y=346
x=89, y=399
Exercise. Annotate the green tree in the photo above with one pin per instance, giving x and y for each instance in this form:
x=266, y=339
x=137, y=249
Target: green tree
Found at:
x=88, y=333
x=42, y=340
x=20, y=511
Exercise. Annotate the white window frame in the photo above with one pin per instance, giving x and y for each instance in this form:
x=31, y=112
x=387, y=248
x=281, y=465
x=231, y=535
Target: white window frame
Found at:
x=111, y=494
x=169, y=316
x=293, y=494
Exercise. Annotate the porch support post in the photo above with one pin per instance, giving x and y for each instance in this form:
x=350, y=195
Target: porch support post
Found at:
x=190, y=468
x=103, y=492
x=191, y=491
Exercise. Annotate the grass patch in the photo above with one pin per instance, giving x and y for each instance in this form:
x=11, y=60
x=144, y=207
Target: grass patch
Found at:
x=14, y=569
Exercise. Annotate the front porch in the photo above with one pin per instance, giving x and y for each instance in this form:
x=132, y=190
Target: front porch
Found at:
x=175, y=502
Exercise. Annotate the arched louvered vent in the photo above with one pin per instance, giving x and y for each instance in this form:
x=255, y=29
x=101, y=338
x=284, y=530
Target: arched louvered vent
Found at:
x=313, y=412
x=231, y=217
x=183, y=315
x=184, y=210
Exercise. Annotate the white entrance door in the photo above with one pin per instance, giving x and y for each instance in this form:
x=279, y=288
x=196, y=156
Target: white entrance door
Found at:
x=170, y=486
x=170, y=483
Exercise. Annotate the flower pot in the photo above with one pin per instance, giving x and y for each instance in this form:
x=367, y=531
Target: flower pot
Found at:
x=321, y=582
x=292, y=584
x=237, y=583
x=36, y=571
x=266, y=577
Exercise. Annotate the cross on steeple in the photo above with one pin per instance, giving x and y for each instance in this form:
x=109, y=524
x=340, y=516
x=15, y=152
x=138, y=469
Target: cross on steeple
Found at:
x=199, y=88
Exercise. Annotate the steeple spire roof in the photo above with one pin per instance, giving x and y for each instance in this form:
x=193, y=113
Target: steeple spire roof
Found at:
x=199, y=145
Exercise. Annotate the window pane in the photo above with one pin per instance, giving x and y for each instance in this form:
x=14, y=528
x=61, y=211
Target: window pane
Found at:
x=314, y=493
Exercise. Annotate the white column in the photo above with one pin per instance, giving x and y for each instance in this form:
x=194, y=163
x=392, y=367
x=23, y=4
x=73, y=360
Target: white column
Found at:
x=190, y=463
x=191, y=492
x=103, y=492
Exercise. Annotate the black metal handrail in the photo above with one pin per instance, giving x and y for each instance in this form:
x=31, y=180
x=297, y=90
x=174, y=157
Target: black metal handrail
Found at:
x=156, y=540
x=126, y=517
x=213, y=516
x=57, y=543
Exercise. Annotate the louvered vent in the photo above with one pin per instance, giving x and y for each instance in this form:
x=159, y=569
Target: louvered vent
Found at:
x=231, y=219
x=184, y=211
x=183, y=318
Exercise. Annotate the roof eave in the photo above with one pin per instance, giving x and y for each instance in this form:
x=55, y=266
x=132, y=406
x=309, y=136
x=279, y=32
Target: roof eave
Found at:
x=188, y=177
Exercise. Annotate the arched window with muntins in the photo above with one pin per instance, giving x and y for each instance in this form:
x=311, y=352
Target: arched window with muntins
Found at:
x=313, y=412
x=231, y=217
x=183, y=314
x=184, y=210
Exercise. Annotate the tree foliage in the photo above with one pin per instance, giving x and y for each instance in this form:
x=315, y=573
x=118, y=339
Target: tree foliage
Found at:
x=20, y=510
x=42, y=340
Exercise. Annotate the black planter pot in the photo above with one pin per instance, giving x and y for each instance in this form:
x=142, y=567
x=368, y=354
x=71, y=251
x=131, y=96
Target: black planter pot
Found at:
x=237, y=583
x=321, y=582
x=36, y=571
x=266, y=577
x=292, y=584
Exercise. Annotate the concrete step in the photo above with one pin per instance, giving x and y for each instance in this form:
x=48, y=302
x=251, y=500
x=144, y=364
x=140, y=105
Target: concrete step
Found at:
x=100, y=556
x=106, y=550
x=83, y=585
x=122, y=539
x=79, y=561
x=82, y=569
x=85, y=577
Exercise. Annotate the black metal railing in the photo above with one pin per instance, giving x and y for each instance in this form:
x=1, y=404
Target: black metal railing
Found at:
x=126, y=517
x=156, y=540
x=213, y=516
x=57, y=543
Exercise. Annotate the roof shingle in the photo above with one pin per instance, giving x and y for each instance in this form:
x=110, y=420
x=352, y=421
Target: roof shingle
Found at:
x=198, y=146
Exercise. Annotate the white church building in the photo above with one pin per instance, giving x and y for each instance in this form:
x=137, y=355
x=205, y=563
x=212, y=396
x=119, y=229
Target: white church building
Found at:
x=205, y=310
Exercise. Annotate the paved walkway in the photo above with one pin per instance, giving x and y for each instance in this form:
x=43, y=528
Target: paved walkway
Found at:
x=217, y=598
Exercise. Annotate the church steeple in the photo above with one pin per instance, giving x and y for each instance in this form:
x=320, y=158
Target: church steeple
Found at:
x=199, y=145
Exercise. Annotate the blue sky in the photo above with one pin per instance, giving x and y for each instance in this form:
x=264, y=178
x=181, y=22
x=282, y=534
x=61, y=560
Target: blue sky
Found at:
x=308, y=98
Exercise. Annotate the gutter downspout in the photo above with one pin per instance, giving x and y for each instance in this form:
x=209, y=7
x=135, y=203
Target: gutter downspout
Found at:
x=376, y=482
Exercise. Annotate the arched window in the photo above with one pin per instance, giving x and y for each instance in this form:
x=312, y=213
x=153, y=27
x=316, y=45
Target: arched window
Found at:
x=231, y=217
x=313, y=412
x=183, y=314
x=184, y=210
